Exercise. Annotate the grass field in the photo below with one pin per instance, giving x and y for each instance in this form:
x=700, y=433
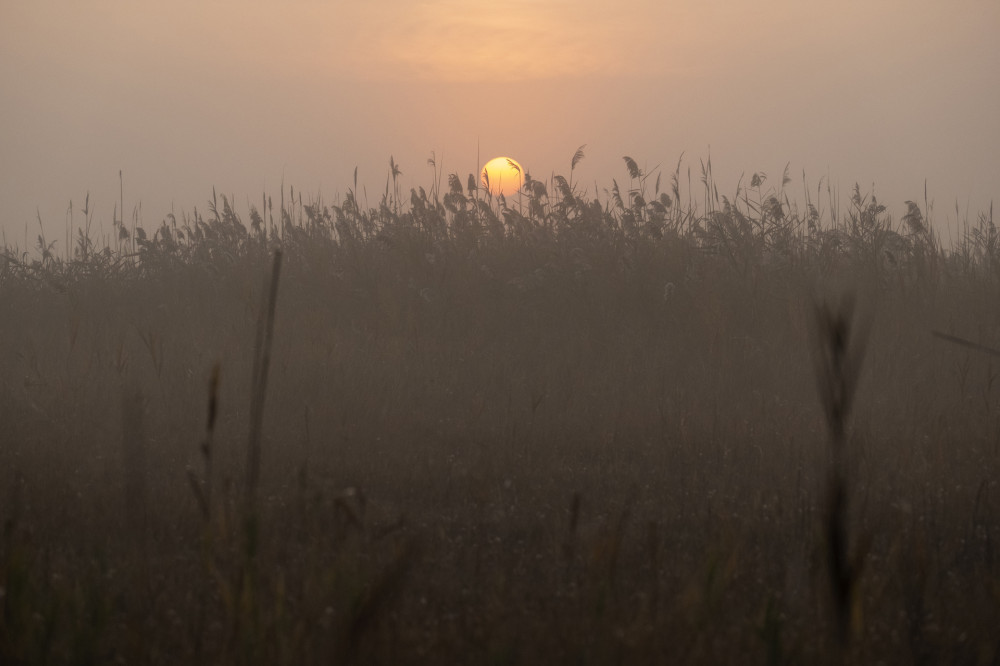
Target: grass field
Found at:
x=650, y=427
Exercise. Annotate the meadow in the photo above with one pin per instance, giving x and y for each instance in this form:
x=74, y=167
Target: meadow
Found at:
x=655, y=424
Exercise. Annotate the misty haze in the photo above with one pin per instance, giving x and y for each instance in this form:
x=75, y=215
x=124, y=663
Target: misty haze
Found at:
x=514, y=333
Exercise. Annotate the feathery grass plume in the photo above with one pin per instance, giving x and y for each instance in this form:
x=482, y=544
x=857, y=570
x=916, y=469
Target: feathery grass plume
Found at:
x=454, y=184
x=394, y=173
x=841, y=346
x=616, y=195
x=437, y=169
x=708, y=182
x=839, y=363
x=565, y=189
x=634, y=172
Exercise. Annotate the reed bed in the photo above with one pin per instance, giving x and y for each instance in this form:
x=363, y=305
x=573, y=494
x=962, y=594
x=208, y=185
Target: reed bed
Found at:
x=566, y=427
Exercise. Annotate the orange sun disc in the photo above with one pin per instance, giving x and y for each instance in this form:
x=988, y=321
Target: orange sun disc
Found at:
x=502, y=175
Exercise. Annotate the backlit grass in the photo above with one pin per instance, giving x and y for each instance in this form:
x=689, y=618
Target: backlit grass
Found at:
x=551, y=428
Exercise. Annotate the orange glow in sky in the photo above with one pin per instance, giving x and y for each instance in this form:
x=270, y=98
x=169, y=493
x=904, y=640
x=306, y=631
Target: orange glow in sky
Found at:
x=180, y=100
x=502, y=175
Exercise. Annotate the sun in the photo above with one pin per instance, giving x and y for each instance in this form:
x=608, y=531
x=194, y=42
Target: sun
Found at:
x=502, y=175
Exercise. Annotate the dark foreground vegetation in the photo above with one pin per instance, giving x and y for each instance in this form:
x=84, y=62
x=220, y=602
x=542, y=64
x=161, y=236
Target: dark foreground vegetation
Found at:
x=543, y=430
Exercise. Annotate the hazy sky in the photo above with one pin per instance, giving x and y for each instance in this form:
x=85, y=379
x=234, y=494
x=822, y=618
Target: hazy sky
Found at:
x=186, y=95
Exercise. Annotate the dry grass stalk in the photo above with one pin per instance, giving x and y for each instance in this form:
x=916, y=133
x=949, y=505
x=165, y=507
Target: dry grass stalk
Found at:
x=203, y=488
x=261, y=364
x=962, y=342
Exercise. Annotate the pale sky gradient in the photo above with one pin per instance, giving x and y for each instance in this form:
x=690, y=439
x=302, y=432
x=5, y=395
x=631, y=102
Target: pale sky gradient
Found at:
x=186, y=95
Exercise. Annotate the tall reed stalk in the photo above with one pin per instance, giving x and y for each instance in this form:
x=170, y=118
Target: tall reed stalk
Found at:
x=841, y=345
x=261, y=364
